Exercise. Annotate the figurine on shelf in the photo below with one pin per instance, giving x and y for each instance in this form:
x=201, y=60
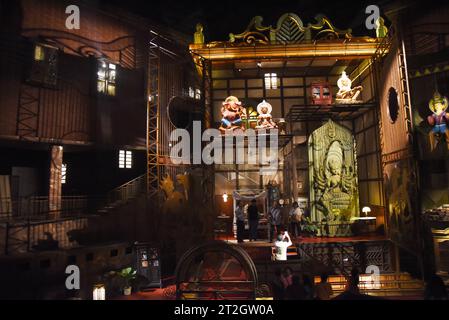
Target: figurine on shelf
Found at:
x=346, y=94
x=381, y=29
x=438, y=119
x=264, y=120
x=233, y=114
x=198, y=37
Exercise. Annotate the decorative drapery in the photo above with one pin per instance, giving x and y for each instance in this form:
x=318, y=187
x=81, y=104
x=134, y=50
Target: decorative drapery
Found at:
x=239, y=196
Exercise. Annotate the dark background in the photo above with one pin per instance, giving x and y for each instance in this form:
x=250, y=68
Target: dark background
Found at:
x=221, y=17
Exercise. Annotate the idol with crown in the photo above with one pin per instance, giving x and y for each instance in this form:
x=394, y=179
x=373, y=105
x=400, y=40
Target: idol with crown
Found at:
x=438, y=120
x=264, y=120
x=233, y=115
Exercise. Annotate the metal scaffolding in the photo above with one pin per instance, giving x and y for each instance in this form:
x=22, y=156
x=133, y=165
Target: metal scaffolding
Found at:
x=153, y=111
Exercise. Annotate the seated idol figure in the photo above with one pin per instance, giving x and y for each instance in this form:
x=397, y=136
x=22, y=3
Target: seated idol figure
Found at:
x=346, y=94
x=233, y=115
x=264, y=120
x=438, y=120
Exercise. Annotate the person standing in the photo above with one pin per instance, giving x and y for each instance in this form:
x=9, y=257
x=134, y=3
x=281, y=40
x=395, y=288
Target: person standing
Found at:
x=295, y=291
x=253, y=219
x=281, y=246
x=240, y=221
x=295, y=218
x=275, y=219
x=324, y=289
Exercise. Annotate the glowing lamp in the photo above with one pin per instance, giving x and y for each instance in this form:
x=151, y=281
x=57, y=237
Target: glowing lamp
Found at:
x=366, y=210
x=225, y=197
x=99, y=292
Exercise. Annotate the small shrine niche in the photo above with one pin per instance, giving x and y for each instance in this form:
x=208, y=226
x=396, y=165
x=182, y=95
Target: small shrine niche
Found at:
x=251, y=120
x=321, y=93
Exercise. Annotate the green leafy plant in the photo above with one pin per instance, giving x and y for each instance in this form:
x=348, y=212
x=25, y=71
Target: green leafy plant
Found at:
x=309, y=226
x=128, y=274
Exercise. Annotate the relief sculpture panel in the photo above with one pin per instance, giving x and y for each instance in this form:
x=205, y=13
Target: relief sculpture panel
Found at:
x=333, y=174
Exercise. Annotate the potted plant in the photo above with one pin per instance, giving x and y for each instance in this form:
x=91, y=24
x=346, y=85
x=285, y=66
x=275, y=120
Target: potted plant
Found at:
x=310, y=227
x=127, y=274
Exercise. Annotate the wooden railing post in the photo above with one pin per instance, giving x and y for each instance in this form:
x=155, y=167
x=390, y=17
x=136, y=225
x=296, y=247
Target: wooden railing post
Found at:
x=7, y=239
x=28, y=234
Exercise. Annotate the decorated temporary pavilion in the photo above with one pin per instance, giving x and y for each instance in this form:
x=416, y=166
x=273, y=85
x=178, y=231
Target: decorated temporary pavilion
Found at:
x=282, y=65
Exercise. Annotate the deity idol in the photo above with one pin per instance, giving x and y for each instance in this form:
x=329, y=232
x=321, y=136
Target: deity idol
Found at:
x=346, y=94
x=198, y=37
x=438, y=120
x=233, y=114
x=264, y=120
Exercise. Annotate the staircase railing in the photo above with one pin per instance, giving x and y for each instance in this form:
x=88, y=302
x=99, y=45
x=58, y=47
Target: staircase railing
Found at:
x=38, y=208
x=347, y=260
x=126, y=192
x=328, y=263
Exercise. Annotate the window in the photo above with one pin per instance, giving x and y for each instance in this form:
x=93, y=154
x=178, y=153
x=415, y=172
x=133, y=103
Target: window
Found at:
x=271, y=81
x=106, y=75
x=198, y=94
x=194, y=93
x=114, y=253
x=90, y=256
x=191, y=92
x=125, y=159
x=64, y=173
x=393, y=105
x=44, y=69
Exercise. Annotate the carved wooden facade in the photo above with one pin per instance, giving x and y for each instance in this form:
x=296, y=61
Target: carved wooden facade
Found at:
x=68, y=109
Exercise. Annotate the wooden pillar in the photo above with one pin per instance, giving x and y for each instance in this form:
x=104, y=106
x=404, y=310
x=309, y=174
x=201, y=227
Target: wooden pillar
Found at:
x=55, y=186
x=397, y=260
x=294, y=173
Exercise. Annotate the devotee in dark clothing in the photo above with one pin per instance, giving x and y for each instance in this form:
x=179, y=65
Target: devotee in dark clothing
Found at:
x=275, y=219
x=277, y=286
x=352, y=291
x=324, y=289
x=435, y=289
x=295, y=291
x=308, y=287
x=253, y=219
x=240, y=221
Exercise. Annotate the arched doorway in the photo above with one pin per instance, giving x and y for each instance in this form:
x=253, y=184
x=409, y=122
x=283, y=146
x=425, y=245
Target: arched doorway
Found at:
x=216, y=271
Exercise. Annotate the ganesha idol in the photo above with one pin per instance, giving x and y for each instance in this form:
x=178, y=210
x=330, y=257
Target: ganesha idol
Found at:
x=233, y=115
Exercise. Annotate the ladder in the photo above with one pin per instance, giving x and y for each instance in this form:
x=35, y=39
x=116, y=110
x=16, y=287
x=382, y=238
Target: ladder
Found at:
x=405, y=90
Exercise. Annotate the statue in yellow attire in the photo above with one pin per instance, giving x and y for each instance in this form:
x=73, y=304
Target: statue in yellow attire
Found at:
x=381, y=29
x=198, y=37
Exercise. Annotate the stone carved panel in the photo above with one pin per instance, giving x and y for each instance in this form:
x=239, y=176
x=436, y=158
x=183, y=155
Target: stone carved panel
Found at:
x=333, y=174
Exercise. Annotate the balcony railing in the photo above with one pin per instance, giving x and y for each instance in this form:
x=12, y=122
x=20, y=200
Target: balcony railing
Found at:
x=38, y=207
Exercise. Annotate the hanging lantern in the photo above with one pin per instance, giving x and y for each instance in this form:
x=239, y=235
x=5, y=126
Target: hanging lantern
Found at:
x=99, y=292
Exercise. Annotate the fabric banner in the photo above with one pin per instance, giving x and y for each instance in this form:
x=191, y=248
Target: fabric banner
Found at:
x=246, y=197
